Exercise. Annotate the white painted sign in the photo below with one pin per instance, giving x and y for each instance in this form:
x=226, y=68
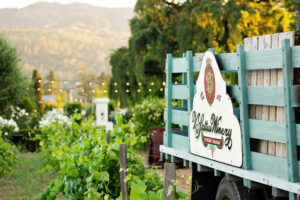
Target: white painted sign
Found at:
x=215, y=131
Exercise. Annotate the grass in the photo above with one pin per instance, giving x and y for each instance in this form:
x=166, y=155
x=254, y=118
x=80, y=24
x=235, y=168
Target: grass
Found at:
x=25, y=181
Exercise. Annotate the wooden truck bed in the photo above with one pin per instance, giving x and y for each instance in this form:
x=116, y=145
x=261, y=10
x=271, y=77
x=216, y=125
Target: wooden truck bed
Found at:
x=265, y=101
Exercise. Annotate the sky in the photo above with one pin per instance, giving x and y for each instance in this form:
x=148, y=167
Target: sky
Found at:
x=102, y=3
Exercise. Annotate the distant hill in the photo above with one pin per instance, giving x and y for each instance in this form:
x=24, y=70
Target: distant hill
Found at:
x=66, y=37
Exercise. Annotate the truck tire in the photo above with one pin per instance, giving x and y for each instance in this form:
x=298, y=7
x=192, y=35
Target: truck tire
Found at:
x=229, y=190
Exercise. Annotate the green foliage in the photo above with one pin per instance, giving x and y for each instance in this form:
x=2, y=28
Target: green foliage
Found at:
x=148, y=114
x=12, y=80
x=27, y=105
x=88, y=166
x=72, y=108
x=7, y=157
x=162, y=27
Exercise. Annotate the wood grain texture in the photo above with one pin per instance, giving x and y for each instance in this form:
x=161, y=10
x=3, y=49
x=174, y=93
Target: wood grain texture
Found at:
x=170, y=178
x=272, y=77
x=123, y=163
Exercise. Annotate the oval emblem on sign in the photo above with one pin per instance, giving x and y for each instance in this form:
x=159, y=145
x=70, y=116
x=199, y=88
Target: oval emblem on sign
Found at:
x=209, y=82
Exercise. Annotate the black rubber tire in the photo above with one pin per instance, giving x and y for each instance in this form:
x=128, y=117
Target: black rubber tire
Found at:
x=229, y=190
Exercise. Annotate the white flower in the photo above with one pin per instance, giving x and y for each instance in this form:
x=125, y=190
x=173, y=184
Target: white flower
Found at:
x=54, y=116
x=6, y=133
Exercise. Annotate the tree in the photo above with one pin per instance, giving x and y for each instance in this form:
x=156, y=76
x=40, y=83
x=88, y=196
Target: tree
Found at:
x=52, y=86
x=13, y=84
x=162, y=27
x=38, y=90
x=87, y=86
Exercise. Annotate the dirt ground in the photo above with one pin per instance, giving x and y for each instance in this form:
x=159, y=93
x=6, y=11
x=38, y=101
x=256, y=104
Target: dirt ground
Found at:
x=183, y=175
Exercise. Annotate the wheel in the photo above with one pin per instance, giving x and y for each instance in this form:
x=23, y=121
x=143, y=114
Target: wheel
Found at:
x=229, y=190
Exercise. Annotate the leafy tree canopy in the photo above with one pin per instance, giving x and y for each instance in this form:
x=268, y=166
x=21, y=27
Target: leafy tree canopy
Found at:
x=162, y=27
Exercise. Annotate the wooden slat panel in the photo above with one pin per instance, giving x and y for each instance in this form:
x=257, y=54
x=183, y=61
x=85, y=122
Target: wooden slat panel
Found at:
x=180, y=142
x=260, y=95
x=295, y=56
x=267, y=130
x=298, y=134
x=180, y=117
x=180, y=91
x=264, y=59
x=268, y=164
x=227, y=61
x=180, y=65
x=197, y=64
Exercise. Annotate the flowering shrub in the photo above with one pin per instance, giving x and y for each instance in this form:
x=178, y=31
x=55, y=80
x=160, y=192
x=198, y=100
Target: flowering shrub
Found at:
x=8, y=127
x=148, y=114
x=7, y=157
x=54, y=116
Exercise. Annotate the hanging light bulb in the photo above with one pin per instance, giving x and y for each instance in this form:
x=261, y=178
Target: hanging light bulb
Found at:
x=150, y=90
x=139, y=90
x=103, y=83
x=161, y=89
x=127, y=84
x=91, y=83
x=52, y=82
x=164, y=83
x=38, y=89
x=104, y=91
x=40, y=81
x=116, y=91
x=115, y=84
x=140, y=84
x=127, y=91
x=152, y=83
x=65, y=82
x=176, y=82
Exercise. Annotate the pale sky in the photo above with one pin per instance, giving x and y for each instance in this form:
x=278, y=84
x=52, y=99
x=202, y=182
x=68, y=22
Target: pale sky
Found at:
x=102, y=3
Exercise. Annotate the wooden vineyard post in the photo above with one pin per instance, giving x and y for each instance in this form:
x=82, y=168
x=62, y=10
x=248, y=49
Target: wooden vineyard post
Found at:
x=170, y=177
x=108, y=138
x=123, y=163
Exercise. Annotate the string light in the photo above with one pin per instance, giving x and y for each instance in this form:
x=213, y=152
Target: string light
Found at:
x=152, y=83
x=94, y=91
x=40, y=81
x=27, y=88
x=104, y=91
x=82, y=90
x=65, y=82
x=91, y=83
x=71, y=90
x=140, y=84
x=164, y=83
x=161, y=89
x=52, y=82
x=139, y=90
x=115, y=84
x=49, y=90
x=77, y=83
x=127, y=84
x=60, y=90
x=176, y=82
x=38, y=89
x=103, y=83
x=116, y=91
x=127, y=91
x=150, y=90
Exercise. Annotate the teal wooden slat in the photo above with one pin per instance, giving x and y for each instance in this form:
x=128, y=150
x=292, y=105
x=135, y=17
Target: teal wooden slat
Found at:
x=267, y=130
x=269, y=95
x=227, y=61
x=233, y=91
x=236, y=112
x=180, y=142
x=247, y=158
x=298, y=134
x=196, y=64
x=180, y=117
x=180, y=92
x=252, y=175
x=264, y=59
x=273, y=165
x=295, y=50
x=289, y=114
x=190, y=82
x=168, y=135
x=180, y=65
